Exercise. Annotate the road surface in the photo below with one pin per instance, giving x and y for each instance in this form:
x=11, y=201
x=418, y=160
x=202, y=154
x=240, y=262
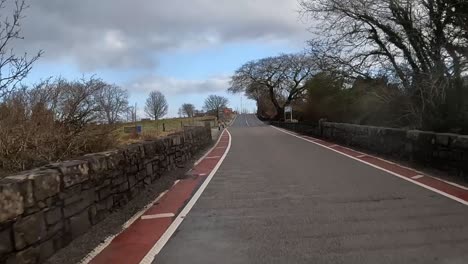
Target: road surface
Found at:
x=279, y=199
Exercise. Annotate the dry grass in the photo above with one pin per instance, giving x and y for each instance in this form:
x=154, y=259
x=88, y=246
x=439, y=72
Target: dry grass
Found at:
x=158, y=128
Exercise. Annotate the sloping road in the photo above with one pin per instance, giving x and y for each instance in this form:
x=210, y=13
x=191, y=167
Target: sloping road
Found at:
x=279, y=199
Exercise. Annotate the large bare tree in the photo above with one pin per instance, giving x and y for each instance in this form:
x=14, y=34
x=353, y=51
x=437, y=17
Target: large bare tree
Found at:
x=156, y=105
x=13, y=67
x=281, y=78
x=187, y=110
x=113, y=103
x=423, y=44
x=215, y=103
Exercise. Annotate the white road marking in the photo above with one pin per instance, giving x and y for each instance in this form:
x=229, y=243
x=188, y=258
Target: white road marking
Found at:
x=334, y=146
x=209, y=151
x=157, y=216
x=452, y=183
x=109, y=239
x=178, y=220
x=382, y=169
x=234, y=120
x=176, y=182
x=417, y=177
x=245, y=117
x=213, y=157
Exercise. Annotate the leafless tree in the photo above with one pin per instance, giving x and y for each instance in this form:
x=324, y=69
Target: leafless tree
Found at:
x=215, y=103
x=156, y=105
x=13, y=67
x=282, y=78
x=76, y=101
x=423, y=43
x=187, y=110
x=113, y=103
x=52, y=120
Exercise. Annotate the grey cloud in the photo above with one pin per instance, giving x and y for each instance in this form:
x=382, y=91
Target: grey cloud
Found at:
x=131, y=33
x=173, y=86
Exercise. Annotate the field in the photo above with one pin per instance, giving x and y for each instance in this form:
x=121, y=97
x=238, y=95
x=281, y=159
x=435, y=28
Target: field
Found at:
x=157, y=128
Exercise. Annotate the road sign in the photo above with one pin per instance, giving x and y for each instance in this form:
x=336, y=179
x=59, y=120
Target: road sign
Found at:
x=288, y=109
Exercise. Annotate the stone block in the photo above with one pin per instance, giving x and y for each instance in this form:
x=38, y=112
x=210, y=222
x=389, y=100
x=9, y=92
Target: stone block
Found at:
x=149, y=169
x=79, y=224
x=105, y=204
x=6, y=242
x=11, y=200
x=46, y=250
x=93, y=215
x=115, y=159
x=443, y=139
x=97, y=163
x=132, y=180
x=29, y=230
x=149, y=148
x=54, y=229
x=71, y=194
x=74, y=171
x=30, y=255
x=123, y=187
x=25, y=187
x=75, y=208
x=54, y=215
x=460, y=142
x=176, y=140
x=104, y=192
x=46, y=183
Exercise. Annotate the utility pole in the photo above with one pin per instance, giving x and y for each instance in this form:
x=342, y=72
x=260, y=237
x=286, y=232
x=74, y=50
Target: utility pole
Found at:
x=242, y=108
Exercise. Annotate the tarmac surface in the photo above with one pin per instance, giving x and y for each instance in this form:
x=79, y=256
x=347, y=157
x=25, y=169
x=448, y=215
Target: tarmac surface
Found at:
x=279, y=199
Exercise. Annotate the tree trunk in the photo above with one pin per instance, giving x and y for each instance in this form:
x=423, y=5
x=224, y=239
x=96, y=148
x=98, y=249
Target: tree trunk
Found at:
x=279, y=109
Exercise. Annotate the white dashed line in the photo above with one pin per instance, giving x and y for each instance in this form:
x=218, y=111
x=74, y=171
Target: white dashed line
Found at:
x=109, y=239
x=157, y=216
x=213, y=157
x=417, y=177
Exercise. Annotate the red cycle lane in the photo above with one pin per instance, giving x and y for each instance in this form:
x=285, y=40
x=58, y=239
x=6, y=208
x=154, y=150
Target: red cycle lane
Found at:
x=447, y=189
x=134, y=243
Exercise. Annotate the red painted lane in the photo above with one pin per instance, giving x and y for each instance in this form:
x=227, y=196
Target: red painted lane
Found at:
x=427, y=181
x=444, y=187
x=132, y=245
x=347, y=151
x=176, y=198
x=325, y=143
x=391, y=166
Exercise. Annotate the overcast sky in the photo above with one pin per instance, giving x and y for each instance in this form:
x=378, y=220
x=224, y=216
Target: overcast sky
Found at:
x=186, y=49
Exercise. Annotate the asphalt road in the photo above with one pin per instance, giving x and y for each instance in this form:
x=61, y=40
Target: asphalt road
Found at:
x=279, y=199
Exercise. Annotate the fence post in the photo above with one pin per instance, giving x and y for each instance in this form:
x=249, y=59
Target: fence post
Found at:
x=320, y=126
x=164, y=127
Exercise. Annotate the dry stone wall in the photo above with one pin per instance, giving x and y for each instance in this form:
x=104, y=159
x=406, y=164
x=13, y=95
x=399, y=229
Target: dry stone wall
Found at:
x=448, y=152
x=44, y=209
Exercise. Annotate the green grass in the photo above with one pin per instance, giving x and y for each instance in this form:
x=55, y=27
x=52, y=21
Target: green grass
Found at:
x=155, y=128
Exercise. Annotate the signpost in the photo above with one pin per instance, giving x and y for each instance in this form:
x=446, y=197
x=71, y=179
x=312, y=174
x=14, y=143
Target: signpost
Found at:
x=288, y=109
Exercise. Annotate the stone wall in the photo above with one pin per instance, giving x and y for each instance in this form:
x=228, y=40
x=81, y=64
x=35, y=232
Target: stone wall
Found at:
x=448, y=152
x=43, y=210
